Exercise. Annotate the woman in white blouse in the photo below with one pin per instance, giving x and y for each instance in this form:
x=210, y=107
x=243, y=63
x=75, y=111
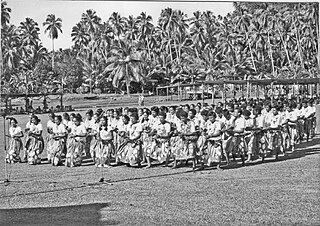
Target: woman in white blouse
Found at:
x=59, y=133
x=36, y=144
x=160, y=147
x=130, y=151
x=105, y=145
x=15, y=144
x=50, y=140
x=76, y=143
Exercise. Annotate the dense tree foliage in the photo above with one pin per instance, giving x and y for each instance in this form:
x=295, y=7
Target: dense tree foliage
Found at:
x=256, y=40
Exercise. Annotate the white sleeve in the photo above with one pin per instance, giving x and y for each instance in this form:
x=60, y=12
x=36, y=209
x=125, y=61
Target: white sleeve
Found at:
x=39, y=127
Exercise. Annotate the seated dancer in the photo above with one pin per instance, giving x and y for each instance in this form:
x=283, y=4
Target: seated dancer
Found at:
x=89, y=124
x=50, y=140
x=213, y=133
x=26, y=138
x=160, y=148
x=184, y=143
x=59, y=133
x=15, y=143
x=227, y=132
x=105, y=145
x=76, y=143
x=130, y=151
x=36, y=142
x=146, y=136
x=94, y=133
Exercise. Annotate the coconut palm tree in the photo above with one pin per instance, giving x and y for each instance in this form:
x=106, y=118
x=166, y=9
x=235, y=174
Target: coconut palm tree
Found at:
x=53, y=27
x=118, y=24
x=124, y=64
x=145, y=30
x=5, y=14
x=79, y=35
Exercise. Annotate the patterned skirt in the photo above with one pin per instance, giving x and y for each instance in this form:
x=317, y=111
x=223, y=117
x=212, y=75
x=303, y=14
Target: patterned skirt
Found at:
x=13, y=154
x=35, y=148
x=50, y=146
x=129, y=152
x=94, y=144
x=57, y=149
x=160, y=150
x=103, y=153
x=183, y=149
x=239, y=145
x=147, y=144
x=213, y=152
x=274, y=140
x=75, y=149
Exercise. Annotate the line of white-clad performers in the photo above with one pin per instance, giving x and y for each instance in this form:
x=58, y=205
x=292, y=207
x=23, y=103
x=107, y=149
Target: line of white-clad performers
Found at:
x=205, y=134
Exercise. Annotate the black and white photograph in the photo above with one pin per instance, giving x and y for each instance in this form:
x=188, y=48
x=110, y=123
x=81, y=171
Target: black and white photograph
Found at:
x=159, y=112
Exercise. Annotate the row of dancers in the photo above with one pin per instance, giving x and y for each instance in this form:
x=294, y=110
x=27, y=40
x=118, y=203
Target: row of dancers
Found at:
x=205, y=134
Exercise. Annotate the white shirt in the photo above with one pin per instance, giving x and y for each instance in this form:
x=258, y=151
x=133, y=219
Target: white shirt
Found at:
x=239, y=123
x=14, y=131
x=50, y=124
x=134, y=129
x=228, y=123
x=79, y=130
x=260, y=121
x=104, y=134
x=275, y=121
x=214, y=128
x=36, y=128
x=163, y=129
x=59, y=129
x=28, y=125
x=180, y=126
x=89, y=123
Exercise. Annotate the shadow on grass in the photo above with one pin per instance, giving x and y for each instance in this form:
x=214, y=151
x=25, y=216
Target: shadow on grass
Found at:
x=64, y=215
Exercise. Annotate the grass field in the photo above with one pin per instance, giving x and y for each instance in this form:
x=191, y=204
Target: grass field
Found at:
x=284, y=192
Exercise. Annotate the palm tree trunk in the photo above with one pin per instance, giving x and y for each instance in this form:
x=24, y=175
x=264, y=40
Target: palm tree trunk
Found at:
x=254, y=65
x=52, y=54
x=127, y=81
x=149, y=54
x=285, y=48
x=270, y=53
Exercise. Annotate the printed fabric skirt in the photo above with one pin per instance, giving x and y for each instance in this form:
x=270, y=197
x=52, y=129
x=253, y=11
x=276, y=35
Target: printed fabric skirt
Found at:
x=160, y=150
x=35, y=148
x=262, y=139
x=227, y=144
x=129, y=152
x=274, y=140
x=251, y=143
x=57, y=149
x=75, y=149
x=50, y=146
x=239, y=145
x=103, y=153
x=147, y=144
x=183, y=149
x=13, y=154
x=213, y=153
x=202, y=145
x=94, y=144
